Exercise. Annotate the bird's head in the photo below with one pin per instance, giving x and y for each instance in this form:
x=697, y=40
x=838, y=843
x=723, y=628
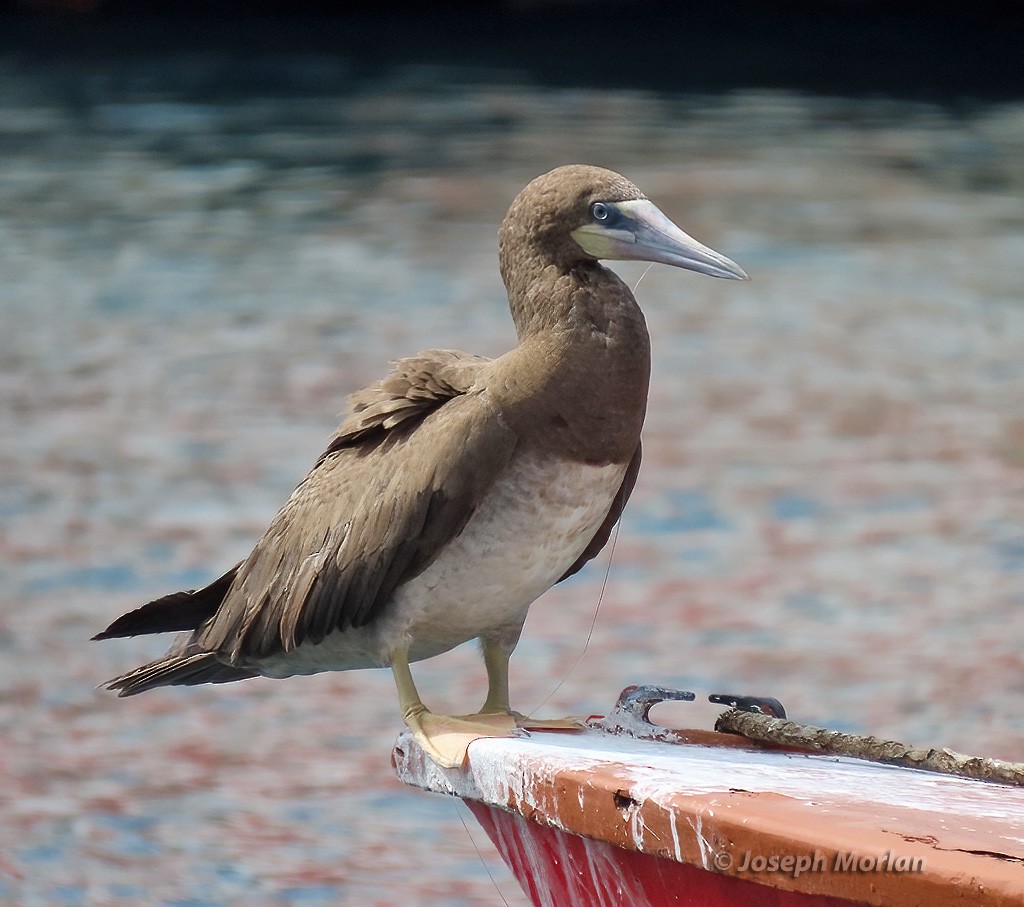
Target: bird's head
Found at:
x=581, y=213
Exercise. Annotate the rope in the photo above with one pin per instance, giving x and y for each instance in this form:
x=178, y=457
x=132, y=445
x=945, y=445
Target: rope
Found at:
x=858, y=746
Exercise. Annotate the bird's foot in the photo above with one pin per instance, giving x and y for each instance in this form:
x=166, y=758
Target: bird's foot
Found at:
x=526, y=723
x=549, y=724
x=446, y=738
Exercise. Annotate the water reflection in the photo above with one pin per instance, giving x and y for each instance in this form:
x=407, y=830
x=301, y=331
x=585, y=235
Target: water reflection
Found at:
x=193, y=279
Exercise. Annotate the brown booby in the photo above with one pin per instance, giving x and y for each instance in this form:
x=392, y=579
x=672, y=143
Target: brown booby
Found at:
x=459, y=488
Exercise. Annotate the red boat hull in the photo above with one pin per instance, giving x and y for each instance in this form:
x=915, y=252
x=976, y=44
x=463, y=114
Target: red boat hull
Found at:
x=556, y=868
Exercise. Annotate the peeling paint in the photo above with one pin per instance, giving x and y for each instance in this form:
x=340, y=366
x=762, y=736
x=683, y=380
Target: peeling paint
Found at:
x=504, y=767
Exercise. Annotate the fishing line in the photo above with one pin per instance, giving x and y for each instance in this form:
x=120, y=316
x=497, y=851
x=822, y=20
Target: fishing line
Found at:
x=642, y=276
x=604, y=582
x=479, y=853
x=593, y=623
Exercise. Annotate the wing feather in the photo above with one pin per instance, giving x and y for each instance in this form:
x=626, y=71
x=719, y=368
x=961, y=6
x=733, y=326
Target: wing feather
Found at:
x=403, y=476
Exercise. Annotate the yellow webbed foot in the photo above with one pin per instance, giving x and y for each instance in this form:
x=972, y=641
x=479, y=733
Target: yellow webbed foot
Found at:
x=549, y=724
x=525, y=722
x=446, y=738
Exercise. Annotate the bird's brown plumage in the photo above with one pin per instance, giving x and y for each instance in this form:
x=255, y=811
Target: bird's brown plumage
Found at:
x=422, y=450
x=377, y=508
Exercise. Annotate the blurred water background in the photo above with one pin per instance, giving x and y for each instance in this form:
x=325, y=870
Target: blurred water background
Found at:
x=210, y=232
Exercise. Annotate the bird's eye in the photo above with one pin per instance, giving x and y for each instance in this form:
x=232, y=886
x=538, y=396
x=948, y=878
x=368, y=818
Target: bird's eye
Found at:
x=600, y=211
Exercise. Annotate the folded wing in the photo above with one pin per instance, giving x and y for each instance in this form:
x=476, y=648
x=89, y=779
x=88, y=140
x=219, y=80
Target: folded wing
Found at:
x=402, y=478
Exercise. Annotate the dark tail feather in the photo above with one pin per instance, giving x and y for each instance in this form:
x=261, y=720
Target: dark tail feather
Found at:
x=175, y=670
x=177, y=611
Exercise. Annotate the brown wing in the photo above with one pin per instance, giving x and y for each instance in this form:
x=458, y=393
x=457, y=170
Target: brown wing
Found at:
x=416, y=386
x=402, y=478
x=602, y=535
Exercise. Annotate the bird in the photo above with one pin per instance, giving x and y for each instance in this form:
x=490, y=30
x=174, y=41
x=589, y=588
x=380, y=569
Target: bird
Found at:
x=457, y=489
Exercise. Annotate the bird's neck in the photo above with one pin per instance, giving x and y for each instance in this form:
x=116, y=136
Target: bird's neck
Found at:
x=582, y=364
x=545, y=295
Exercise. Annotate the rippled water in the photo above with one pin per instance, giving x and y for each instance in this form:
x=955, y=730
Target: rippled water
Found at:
x=831, y=509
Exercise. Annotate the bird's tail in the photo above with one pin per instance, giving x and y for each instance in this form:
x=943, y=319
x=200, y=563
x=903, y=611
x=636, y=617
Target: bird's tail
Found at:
x=177, y=611
x=174, y=670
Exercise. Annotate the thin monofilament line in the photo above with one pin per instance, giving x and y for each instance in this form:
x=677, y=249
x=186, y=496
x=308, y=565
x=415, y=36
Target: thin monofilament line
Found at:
x=642, y=276
x=593, y=623
x=480, y=854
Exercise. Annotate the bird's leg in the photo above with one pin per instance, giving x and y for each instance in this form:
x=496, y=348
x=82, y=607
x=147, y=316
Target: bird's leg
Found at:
x=443, y=738
x=496, y=658
x=408, y=696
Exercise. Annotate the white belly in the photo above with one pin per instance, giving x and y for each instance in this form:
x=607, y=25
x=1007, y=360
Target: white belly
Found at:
x=528, y=531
